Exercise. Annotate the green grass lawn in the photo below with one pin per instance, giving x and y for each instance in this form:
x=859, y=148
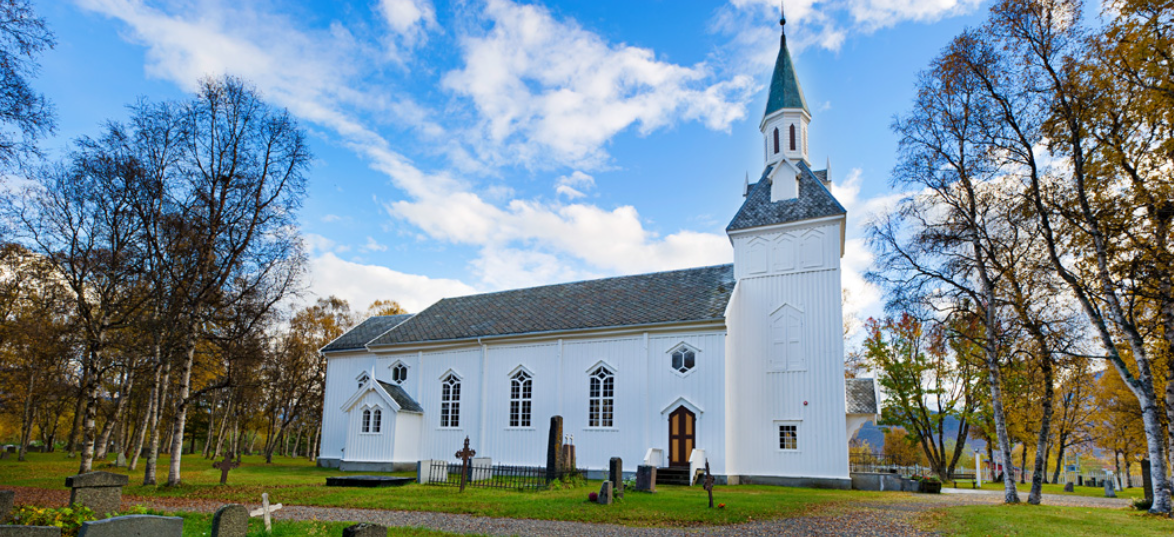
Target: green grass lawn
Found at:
x=1092, y=492
x=298, y=482
x=1043, y=520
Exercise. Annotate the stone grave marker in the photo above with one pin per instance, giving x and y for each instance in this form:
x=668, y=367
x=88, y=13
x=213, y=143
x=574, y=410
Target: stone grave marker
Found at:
x=224, y=466
x=100, y=491
x=1069, y=487
x=134, y=526
x=605, y=497
x=481, y=469
x=554, y=448
x=265, y=511
x=1147, y=483
x=646, y=478
x=30, y=531
x=120, y=462
x=615, y=474
x=230, y=520
x=10, y=448
x=567, y=454
x=6, y=498
x=1109, y=489
x=708, y=483
x=365, y=530
x=465, y=455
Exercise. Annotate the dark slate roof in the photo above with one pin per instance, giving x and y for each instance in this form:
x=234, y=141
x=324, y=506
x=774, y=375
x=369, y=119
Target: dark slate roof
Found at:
x=822, y=175
x=359, y=336
x=784, y=85
x=676, y=296
x=814, y=201
x=860, y=396
x=405, y=401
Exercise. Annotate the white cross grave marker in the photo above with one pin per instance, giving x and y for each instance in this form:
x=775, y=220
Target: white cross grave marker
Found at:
x=265, y=510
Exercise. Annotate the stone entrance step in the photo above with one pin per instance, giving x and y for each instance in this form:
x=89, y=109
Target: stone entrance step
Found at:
x=673, y=475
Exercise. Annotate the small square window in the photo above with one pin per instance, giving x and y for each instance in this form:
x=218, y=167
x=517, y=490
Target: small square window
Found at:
x=789, y=437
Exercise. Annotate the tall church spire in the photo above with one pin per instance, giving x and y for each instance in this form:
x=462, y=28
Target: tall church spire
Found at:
x=784, y=85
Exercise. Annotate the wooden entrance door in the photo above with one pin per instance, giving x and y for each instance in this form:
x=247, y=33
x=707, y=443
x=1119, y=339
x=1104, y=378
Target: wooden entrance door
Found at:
x=682, y=436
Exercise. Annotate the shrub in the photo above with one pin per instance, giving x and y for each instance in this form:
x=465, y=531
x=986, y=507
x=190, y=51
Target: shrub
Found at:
x=1143, y=504
x=69, y=519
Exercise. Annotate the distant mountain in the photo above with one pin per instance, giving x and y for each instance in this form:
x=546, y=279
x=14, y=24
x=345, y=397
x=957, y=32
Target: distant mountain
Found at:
x=875, y=436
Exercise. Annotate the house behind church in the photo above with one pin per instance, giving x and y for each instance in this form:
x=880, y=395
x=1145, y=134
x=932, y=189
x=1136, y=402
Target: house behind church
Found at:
x=740, y=364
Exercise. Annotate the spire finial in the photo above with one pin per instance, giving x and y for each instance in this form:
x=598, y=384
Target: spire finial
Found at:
x=783, y=23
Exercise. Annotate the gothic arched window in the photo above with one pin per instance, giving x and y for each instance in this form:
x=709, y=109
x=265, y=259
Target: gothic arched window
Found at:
x=776, y=135
x=521, y=394
x=450, y=401
x=792, y=137
x=602, y=398
x=376, y=420
x=366, y=420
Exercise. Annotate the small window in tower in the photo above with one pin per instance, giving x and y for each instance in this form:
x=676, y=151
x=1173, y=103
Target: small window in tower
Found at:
x=792, y=137
x=399, y=373
x=776, y=140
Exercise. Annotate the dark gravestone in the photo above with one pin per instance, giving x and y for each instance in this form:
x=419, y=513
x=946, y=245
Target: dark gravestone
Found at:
x=365, y=530
x=646, y=478
x=6, y=498
x=605, y=494
x=1080, y=481
x=1147, y=482
x=1110, y=491
x=134, y=526
x=100, y=491
x=30, y=531
x=10, y=449
x=554, y=445
x=230, y=520
x=465, y=455
x=567, y=458
x=1069, y=487
x=615, y=474
x=707, y=483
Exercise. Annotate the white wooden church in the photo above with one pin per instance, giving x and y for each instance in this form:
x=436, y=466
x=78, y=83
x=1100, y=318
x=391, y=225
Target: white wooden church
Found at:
x=739, y=364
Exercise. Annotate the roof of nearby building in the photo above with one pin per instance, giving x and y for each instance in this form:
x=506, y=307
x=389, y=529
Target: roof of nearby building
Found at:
x=359, y=336
x=784, y=85
x=405, y=401
x=697, y=294
x=814, y=201
x=860, y=396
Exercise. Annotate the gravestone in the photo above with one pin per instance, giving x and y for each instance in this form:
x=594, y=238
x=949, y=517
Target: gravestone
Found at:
x=1069, y=487
x=134, y=526
x=120, y=462
x=10, y=448
x=1080, y=481
x=646, y=478
x=481, y=469
x=605, y=494
x=615, y=474
x=1109, y=489
x=230, y=520
x=465, y=455
x=6, y=498
x=1147, y=482
x=224, y=466
x=3, y=455
x=554, y=446
x=100, y=491
x=567, y=458
x=30, y=531
x=707, y=483
x=365, y=530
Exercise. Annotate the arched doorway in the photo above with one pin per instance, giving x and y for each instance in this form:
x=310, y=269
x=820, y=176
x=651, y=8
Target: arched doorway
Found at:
x=682, y=436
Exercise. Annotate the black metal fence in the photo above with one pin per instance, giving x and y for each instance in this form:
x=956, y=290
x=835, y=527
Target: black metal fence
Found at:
x=523, y=478
x=880, y=464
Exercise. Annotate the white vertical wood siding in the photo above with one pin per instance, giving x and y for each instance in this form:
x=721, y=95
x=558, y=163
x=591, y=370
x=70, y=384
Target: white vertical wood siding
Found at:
x=759, y=395
x=370, y=446
x=341, y=370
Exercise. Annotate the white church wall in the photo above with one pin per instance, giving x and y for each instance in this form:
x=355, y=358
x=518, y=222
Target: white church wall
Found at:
x=411, y=360
x=522, y=445
x=438, y=442
x=341, y=371
x=407, y=437
x=765, y=391
x=702, y=390
x=787, y=249
x=370, y=446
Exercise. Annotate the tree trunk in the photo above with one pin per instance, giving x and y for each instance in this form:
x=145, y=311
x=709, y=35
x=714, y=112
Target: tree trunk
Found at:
x=224, y=424
x=211, y=424
x=1045, y=431
x=179, y=422
x=991, y=356
x=149, y=475
x=315, y=440
x=145, y=422
x=78, y=414
x=26, y=416
x=128, y=382
x=89, y=428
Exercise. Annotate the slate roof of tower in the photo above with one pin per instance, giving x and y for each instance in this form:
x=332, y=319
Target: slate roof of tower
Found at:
x=814, y=201
x=860, y=396
x=785, y=91
x=405, y=401
x=697, y=294
x=359, y=336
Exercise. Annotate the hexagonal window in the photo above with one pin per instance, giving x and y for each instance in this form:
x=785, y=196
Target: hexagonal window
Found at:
x=399, y=373
x=684, y=359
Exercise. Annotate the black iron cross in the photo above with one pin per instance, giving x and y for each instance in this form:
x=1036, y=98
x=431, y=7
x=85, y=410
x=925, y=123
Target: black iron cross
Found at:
x=224, y=466
x=465, y=455
x=707, y=484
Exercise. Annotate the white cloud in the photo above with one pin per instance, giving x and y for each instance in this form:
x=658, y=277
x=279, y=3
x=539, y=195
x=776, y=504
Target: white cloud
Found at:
x=547, y=90
x=373, y=246
x=408, y=18
x=362, y=284
x=573, y=185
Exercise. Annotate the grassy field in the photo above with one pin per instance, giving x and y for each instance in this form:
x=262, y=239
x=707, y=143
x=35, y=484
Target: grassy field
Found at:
x=196, y=525
x=297, y=482
x=1045, y=521
x=1092, y=492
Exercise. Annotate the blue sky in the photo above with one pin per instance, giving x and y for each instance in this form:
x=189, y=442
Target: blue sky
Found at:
x=479, y=145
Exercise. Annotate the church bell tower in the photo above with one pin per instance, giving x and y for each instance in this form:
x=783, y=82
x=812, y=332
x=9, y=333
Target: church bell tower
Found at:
x=784, y=125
